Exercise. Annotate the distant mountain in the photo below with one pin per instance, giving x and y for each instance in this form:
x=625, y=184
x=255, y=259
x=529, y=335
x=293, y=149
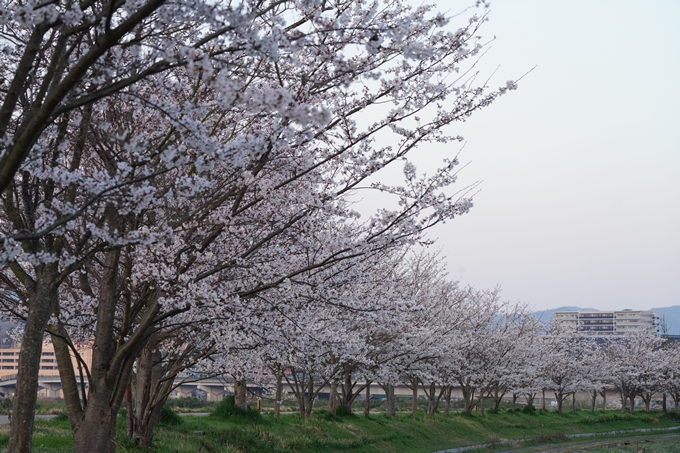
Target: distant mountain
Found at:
x=547, y=315
x=670, y=314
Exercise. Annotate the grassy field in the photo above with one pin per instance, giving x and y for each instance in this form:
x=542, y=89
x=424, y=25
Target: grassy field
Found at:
x=357, y=433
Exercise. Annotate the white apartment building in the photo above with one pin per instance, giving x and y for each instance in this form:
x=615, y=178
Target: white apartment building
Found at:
x=603, y=323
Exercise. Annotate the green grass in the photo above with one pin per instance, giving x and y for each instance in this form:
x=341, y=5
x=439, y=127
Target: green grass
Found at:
x=377, y=433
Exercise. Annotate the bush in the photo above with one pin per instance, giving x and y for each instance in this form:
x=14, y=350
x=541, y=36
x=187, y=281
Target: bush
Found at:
x=5, y=405
x=606, y=418
x=326, y=415
x=343, y=411
x=227, y=409
x=169, y=417
x=529, y=410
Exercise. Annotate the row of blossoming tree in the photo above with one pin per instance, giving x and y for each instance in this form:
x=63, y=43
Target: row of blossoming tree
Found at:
x=434, y=336
x=427, y=333
x=178, y=183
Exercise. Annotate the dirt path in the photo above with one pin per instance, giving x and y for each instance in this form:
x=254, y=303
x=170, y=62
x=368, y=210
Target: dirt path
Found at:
x=614, y=438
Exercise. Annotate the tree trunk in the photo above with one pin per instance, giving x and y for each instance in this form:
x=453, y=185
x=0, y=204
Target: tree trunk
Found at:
x=414, y=400
x=240, y=398
x=310, y=397
x=593, y=400
x=348, y=395
x=604, y=399
x=367, y=402
x=573, y=402
x=277, y=403
x=447, y=399
x=498, y=395
x=301, y=401
x=432, y=400
x=111, y=370
x=632, y=404
x=514, y=400
x=468, y=397
x=558, y=397
x=97, y=432
x=543, y=401
x=663, y=403
x=149, y=399
x=333, y=397
x=69, y=383
x=390, y=400
x=530, y=399
x=42, y=301
x=624, y=400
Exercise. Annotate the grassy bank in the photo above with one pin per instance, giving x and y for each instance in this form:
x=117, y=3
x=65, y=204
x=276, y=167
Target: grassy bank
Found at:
x=377, y=433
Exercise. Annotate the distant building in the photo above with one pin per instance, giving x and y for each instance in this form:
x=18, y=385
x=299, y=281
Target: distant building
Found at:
x=609, y=322
x=9, y=360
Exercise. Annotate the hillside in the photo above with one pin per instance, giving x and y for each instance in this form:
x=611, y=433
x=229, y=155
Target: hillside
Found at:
x=672, y=316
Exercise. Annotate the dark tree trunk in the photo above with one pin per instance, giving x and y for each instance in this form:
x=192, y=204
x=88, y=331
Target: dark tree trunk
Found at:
x=560, y=399
x=530, y=399
x=277, y=403
x=414, y=399
x=663, y=403
x=112, y=361
x=543, y=401
x=624, y=401
x=593, y=400
x=240, y=397
x=390, y=402
x=367, y=402
x=69, y=383
x=348, y=395
x=432, y=399
x=573, y=402
x=42, y=301
x=447, y=400
x=310, y=397
x=149, y=398
x=333, y=397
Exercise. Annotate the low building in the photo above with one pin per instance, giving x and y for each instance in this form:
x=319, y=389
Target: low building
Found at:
x=605, y=323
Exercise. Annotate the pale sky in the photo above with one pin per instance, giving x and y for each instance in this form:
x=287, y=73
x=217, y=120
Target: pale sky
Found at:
x=580, y=201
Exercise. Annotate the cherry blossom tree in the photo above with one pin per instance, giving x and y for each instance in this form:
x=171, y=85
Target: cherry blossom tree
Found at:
x=161, y=163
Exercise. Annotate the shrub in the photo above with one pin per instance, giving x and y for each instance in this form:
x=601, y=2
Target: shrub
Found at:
x=529, y=410
x=169, y=417
x=227, y=409
x=343, y=411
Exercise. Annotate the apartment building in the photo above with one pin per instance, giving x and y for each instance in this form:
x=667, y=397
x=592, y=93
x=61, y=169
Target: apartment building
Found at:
x=605, y=323
x=9, y=360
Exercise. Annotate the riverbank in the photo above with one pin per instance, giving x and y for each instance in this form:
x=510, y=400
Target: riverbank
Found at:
x=357, y=433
